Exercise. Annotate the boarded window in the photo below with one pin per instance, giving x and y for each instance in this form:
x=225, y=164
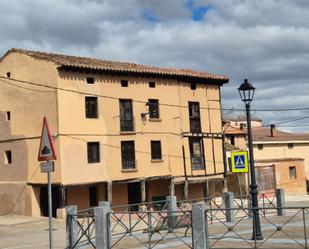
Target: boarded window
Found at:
x=196, y=153
x=93, y=150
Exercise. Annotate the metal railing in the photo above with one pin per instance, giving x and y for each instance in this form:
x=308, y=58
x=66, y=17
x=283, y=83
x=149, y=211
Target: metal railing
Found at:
x=288, y=231
x=150, y=229
x=85, y=233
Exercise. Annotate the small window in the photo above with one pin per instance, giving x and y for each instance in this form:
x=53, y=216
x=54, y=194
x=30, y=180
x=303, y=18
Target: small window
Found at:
x=242, y=126
x=260, y=146
x=233, y=140
x=153, y=108
x=124, y=83
x=152, y=84
x=8, y=116
x=93, y=196
x=8, y=157
x=193, y=86
x=290, y=146
x=91, y=105
x=292, y=172
x=90, y=80
x=93, y=150
x=8, y=74
x=156, y=153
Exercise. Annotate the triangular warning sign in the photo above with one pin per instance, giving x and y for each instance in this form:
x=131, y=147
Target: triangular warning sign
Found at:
x=47, y=149
x=239, y=161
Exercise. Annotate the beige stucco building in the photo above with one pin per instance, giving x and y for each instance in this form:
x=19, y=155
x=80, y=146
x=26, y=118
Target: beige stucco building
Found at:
x=281, y=158
x=123, y=132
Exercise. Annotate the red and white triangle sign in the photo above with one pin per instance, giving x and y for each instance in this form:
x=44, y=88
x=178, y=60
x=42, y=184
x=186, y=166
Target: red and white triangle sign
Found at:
x=47, y=148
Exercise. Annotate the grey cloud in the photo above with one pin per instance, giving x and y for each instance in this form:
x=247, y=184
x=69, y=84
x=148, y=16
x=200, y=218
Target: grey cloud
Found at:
x=263, y=40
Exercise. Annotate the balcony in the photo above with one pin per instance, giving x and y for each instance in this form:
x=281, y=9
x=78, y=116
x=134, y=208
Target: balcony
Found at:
x=127, y=125
x=129, y=164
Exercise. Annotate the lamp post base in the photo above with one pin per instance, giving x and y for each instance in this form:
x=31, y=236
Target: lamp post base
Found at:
x=257, y=237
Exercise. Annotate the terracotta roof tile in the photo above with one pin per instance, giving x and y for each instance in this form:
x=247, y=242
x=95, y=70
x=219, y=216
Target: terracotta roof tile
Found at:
x=286, y=159
x=263, y=134
x=91, y=63
x=234, y=131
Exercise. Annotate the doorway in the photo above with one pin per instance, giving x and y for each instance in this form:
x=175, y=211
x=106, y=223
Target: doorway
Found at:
x=44, y=200
x=134, y=195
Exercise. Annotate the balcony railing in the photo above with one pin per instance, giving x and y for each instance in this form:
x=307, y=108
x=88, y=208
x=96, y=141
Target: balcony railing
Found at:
x=197, y=162
x=127, y=125
x=128, y=164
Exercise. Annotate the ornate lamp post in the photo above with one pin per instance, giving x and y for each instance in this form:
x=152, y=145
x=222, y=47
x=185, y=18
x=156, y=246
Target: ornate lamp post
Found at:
x=246, y=92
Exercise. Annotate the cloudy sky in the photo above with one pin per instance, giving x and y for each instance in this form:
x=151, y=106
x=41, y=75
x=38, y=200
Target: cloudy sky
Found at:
x=266, y=41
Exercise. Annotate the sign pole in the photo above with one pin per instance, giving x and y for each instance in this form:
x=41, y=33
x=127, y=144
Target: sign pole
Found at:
x=50, y=221
x=240, y=190
x=46, y=153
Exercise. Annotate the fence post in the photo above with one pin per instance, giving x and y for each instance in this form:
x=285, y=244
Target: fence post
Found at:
x=280, y=201
x=171, y=209
x=200, y=236
x=71, y=226
x=229, y=205
x=102, y=226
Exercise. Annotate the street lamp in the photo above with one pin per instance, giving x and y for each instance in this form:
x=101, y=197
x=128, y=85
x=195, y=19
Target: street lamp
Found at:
x=246, y=92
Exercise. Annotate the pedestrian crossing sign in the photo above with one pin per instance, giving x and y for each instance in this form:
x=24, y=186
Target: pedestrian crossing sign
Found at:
x=239, y=161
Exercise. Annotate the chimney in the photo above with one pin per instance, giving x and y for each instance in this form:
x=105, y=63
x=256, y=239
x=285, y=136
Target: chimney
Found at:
x=272, y=130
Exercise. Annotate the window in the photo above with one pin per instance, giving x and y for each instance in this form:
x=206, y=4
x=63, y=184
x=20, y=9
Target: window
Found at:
x=128, y=155
x=196, y=154
x=126, y=115
x=91, y=105
x=194, y=116
x=124, y=83
x=233, y=140
x=90, y=80
x=292, y=172
x=290, y=146
x=156, y=153
x=8, y=157
x=152, y=84
x=8, y=74
x=153, y=108
x=260, y=146
x=93, y=149
x=242, y=126
x=193, y=86
x=93, y=196
x=8, y=116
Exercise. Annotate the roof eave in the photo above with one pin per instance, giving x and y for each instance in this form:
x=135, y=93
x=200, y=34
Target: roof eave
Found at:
x=182, y=78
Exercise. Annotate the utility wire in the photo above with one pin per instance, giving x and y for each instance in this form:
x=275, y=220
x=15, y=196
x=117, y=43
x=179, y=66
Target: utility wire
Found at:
x=26, y=88
x=145, y=102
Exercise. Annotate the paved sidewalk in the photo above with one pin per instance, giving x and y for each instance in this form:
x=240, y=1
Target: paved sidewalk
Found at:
x=23, y=232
